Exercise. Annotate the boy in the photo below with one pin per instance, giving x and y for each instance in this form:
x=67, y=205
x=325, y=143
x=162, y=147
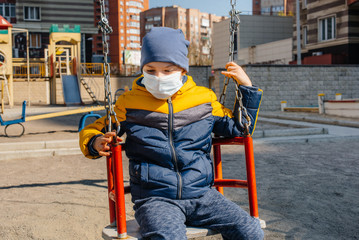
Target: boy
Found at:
x=168, y=121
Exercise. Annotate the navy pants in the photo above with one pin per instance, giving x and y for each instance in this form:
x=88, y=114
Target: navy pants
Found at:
x=162, y=218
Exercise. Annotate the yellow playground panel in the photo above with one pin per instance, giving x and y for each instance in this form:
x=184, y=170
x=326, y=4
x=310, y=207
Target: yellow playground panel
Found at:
x=6, y=78
x=64, y=56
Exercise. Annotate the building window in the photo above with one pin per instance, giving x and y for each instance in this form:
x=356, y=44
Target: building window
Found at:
x=304, y=4
x=157, y=18
x=135, y=17
x=133, y=10
x=205, y=22
x=35, y=40
x=148, y=26
x=133, y=24
x=135, y=4
x=327, y=28
x=134, y=31
x=7, y=10
x=32, y=13
x=134, y=38
x=305, y=35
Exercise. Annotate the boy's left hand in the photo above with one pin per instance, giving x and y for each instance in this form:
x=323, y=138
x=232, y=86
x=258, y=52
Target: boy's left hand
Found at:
x=237, y=73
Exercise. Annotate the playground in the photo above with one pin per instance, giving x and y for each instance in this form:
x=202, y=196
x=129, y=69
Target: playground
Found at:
x=58, y=78
x=305, y=190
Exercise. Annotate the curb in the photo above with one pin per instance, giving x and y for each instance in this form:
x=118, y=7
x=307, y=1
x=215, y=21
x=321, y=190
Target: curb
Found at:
x=25, y=154
x=305, y=139
x=343, y=123
x=289, y=132
x=24, y=150
x=27, y=146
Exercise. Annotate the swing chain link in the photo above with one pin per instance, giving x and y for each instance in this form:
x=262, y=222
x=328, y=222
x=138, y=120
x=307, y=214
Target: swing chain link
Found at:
x=242, y=111
x=106, y=29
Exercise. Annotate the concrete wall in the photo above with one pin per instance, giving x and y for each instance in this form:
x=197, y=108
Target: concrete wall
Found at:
x=201, y=75
x=298, y=85
x=37, y=92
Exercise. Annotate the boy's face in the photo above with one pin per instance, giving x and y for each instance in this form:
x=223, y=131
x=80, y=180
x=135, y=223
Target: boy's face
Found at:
x=160, y=69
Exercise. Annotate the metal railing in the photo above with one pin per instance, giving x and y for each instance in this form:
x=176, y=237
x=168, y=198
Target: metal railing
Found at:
x=37, y=70
x=93, y=69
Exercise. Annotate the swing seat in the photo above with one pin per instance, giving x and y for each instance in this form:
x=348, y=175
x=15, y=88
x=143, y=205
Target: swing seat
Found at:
x=130, y=229
x=133, y=232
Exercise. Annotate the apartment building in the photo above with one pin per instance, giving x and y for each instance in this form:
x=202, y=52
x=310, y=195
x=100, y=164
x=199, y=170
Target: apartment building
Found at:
x=329, y=32
x=37, y=16
x=124, y=42
x=196, y=26
x=273, y=7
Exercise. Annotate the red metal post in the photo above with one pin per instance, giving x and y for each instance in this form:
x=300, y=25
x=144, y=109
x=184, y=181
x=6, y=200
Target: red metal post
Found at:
x=110, y=188
x=218, y=165
x=119, y=191
x=251, y=176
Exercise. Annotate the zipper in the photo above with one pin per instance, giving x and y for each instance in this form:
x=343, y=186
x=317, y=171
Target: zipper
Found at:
x=170, y=136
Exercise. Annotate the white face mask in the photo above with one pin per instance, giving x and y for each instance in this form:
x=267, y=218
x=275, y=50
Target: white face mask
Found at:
x=162, y=87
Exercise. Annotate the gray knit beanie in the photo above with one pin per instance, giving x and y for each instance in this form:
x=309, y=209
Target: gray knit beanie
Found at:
x=163, y=44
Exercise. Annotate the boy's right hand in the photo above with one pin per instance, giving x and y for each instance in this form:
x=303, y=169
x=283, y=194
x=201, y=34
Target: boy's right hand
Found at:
x=101, y=144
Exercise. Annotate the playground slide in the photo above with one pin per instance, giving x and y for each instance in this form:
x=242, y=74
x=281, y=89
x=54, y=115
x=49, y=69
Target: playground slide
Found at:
x=71, y=90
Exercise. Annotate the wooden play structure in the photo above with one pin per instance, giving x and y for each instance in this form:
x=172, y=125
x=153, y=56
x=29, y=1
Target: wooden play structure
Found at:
x=63, y=56
x=6, y=80
x=63, y=70
x=64, y=60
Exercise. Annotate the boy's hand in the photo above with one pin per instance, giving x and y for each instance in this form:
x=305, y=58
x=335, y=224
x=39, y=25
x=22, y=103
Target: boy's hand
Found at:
x=101, y=144
x=237, y=73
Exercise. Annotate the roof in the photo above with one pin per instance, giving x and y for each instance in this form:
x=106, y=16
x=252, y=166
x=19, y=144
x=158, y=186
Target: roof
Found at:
x=4, y=24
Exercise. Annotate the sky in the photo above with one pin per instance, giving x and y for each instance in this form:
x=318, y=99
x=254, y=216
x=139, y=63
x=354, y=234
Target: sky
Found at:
x=217, y=7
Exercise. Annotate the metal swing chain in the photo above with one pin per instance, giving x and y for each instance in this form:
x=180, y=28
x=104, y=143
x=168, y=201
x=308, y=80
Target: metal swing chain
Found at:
x=106, y=29
x=233, y=28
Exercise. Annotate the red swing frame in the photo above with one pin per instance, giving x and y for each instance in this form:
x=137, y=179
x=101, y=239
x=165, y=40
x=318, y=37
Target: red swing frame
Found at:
x=116, y=184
